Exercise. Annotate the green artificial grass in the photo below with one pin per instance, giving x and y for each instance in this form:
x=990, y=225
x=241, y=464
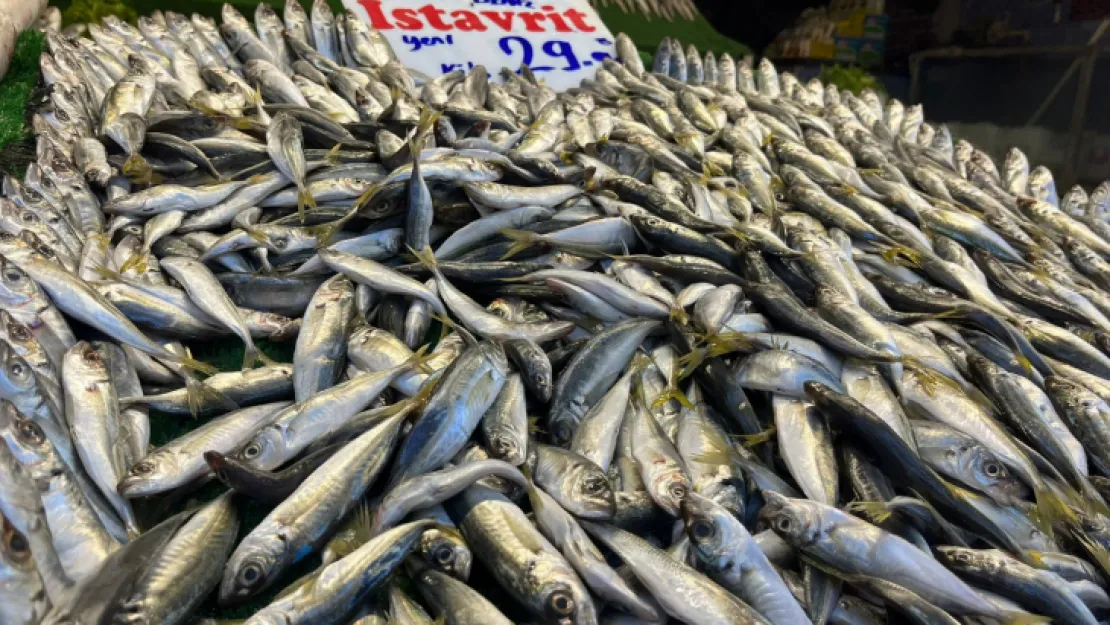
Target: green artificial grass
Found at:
x=16, y=144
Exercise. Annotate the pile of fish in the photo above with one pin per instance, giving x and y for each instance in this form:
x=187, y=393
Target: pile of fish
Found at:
x=693, y=343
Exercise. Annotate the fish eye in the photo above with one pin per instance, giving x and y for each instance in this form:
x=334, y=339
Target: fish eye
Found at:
x=18, y=332
x=13, y=276
x=91, y=356
x=16, y=369
x=17, y=544
x=678, y=491
x=28, y=216
x=992, y=469
x=783, y=524
x=144, y=468
x=251, y=574
x=280, y=242
x=963, y=558
x=702, y=530
x=561, y=603
x=444, y=555
x=252, y=451
x=30, y=431
x=593, y=485
x=562, y=432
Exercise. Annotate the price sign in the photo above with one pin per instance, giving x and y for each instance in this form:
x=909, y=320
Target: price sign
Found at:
x=562, y=41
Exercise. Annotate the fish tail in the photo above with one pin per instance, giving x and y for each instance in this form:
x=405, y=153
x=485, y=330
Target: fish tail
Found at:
x=367, y=195
x=424, y=257
x=332, y=157
x=198, y=395
x=419, y=359
x=324, y=233
x=674, y=393
x=137, y=261
x=304, y=198
x=679, y=316
x=1051, y=510
x=689, y=363
x=751, y=440
x=878, y=511
x=191, y=363
x=722, y=343
x=252, y=355
x=138, y=169
x=902, y=255
x=521, y=239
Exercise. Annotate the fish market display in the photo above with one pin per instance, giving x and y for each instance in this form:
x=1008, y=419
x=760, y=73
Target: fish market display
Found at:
x=695, y=342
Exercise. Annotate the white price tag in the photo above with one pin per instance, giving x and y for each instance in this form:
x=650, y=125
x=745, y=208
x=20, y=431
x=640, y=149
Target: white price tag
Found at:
x=562, y=41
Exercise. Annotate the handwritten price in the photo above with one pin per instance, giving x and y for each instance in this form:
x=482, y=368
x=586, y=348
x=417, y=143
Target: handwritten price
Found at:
x=553, y=49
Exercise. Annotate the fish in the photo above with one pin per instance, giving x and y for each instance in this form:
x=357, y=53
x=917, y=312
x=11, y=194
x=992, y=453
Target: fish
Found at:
x=667, y=306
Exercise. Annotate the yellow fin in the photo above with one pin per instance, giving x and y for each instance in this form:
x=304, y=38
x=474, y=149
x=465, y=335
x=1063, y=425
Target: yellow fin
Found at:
x=521, y=239
x=877, y=511
x=751, y=440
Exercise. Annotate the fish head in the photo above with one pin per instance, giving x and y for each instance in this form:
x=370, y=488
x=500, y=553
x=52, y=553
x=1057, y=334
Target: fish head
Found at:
x=444, y=549
x=18, y=574
x=149, y=475
x=16, y=287
x=28, y=443
x=263, y=450
x=86, y=361
x=17, y=376
x=990, y=474
x=711, y=528
x=553, y=591
x=589, y=487
x=252, y=566
x=669, y=487
x=797, y=521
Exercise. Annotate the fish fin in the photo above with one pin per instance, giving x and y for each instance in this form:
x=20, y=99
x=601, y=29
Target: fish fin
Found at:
x=1051, y=510
x=367, y=195
x=332, y=157
x=137, y=169
x=877, y=511
x=253, y=355
x=425, y=257
x=193, y=364
x=108, y=274
x=304, y=198
x=197, y=394
x=1093, y=548
x=255, y=179
x=137, y=261
x=521, y=239
x=751, y=440
x=672, y=393
x=723, y=343
x=418, y=360
x=679, y=315
x=689, y=363
x=902, y=255
x=767, y=139
x=324, y=233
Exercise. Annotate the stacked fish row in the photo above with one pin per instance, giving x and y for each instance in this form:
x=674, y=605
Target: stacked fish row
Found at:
x=713, y=346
